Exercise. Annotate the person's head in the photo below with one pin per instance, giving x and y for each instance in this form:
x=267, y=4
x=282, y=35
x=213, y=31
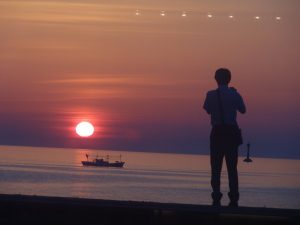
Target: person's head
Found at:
x=223, y=76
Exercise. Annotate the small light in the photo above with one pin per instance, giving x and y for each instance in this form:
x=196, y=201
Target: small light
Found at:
x=137, y=13
x=209, y=15
x=278, y=18
x=183, y=14
x=231, y=16
x=162, y=13
x=257, y=17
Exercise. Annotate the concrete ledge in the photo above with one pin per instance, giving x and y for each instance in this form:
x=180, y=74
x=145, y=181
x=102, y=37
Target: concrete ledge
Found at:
x=39, y=210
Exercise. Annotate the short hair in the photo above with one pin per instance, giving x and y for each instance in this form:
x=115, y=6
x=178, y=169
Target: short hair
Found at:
x=223, y=76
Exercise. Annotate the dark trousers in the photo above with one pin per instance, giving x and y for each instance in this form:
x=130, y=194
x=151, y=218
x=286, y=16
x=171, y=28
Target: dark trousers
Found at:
x=223, y=145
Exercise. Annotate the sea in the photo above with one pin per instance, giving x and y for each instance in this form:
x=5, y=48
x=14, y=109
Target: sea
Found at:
x=151, y=177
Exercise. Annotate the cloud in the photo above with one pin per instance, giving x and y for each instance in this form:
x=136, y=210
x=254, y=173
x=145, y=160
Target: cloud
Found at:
x=119, y=86
x=64, y=12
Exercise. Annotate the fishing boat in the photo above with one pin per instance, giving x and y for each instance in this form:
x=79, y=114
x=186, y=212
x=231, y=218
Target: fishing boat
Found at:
x=101, y=162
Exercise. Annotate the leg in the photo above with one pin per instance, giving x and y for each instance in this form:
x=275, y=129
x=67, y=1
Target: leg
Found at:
x=216, y=161
x=231, y=156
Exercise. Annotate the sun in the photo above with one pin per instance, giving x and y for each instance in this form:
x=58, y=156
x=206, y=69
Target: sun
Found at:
x=85, y=129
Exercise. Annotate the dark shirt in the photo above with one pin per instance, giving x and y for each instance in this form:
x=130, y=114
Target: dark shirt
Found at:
x=232, y=102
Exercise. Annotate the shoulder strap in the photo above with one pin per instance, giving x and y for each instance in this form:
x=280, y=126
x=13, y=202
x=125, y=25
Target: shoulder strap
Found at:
x=220, y=107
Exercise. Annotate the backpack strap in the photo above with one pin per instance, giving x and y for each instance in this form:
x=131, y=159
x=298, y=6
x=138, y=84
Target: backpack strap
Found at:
x=220, y=107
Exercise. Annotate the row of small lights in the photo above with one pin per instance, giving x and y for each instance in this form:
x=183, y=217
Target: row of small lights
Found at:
x=209, y=15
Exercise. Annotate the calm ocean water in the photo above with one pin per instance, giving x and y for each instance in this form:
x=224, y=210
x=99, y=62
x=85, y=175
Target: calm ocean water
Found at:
x=154, y=177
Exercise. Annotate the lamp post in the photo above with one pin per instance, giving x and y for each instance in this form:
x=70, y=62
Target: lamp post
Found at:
x=248, y=160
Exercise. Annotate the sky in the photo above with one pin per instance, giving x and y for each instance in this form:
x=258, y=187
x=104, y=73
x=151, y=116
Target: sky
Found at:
x=141, y=78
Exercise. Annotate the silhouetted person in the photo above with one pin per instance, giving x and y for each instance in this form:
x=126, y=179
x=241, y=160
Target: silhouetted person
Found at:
x=222, y=104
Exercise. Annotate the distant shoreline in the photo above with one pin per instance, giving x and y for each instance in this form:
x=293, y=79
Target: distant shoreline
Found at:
x=24, y=209
x=241, y=154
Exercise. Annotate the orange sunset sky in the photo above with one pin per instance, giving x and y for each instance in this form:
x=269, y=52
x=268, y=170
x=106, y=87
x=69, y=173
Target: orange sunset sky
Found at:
x=141, y=78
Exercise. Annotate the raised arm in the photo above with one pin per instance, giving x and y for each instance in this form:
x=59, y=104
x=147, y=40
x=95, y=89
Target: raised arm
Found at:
x=207, y=104
x=240, y=104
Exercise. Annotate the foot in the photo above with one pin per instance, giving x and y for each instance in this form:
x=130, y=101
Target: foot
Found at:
x=233, y=204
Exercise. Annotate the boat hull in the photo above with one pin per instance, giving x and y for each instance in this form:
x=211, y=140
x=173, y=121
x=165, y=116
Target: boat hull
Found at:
x=103, y=164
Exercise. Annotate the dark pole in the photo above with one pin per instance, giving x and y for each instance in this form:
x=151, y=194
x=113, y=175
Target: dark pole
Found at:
x=248, y=150
x=248, y=160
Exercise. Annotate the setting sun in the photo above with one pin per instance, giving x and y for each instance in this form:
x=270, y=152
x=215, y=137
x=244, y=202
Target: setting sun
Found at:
x=85, y=129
